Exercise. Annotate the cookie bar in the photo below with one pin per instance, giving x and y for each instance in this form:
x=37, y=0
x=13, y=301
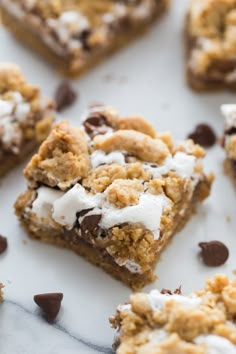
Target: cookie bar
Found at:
x=75, y=35
x=25, y=117
x=165, y=322
x=229, y=139
x=114, y=191
x=211, y=44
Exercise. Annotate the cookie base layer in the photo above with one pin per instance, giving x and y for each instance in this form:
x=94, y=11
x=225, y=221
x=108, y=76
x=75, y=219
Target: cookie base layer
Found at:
x=100, y=257
x=202, y=83
x=10, y=160
x=27, y=36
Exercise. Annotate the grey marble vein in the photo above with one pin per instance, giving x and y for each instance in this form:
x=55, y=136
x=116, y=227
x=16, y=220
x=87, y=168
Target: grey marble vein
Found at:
x=85, y=342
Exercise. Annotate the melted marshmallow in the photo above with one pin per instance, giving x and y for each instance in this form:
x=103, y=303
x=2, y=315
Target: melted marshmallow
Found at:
x=148, y=212
x=158, y=300
x=157, y=336
x=12, y=112
x=68, y=24
x=181, y=163
x=99, y=157
x=65, y=206
x=229, y=112
x=43, y=204
x=72, y=202
x=216, y=344
x=6, y=108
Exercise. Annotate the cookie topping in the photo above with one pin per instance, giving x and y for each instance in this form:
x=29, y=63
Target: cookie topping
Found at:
x=50, y=304
x=3, y=244
x=214, y=253
x=203, y=135
x=64, y=96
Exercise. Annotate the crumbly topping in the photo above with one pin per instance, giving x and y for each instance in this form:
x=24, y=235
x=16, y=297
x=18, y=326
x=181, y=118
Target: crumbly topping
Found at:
x=200, y=323
x=123, y=192
x=63, y=159
x=81, y=26
x=211, y=27
x=23, y=113
x=137, y=144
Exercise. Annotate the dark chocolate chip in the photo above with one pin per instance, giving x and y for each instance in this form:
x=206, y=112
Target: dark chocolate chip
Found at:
x=64, y=96
x=166, y=291
x=83, y=212
x=96, y=124
x=214, y=253
x=84, y=36
x=96, y=121
x=50, y=304
x=177, y=291
x=3, y=244
x=230, y=131
x=89, y=225
x=203, y=135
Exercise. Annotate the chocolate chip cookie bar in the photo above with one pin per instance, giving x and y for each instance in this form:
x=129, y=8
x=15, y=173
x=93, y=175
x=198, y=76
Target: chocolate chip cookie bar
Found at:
x=114, y=191
x=229, y=139
x=25, y=117
x=76, y=34
x=165, y=322
x=211, y=44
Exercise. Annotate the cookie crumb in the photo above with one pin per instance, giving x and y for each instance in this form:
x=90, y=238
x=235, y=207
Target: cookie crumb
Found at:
x=50, y=304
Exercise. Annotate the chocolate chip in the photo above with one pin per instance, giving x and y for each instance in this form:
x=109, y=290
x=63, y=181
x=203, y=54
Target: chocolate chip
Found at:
x=64, y=96
x=231, y=131
x=96, y=124
x=50, y=304
x=166, y=291
x=177, y=291
x=214, y=253
x=84, y=36
x=89, y=225
x=96, y=121
x=203, y=135
x=3, y=244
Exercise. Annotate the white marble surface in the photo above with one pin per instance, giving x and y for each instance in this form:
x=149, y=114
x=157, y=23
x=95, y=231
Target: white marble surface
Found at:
x=147, y=78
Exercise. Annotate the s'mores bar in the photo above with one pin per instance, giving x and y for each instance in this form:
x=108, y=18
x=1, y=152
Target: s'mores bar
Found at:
x=229, y=139
x=171, y=323
x=25, y=117
x=211, y=44
x=76, y=34
x=114, y=191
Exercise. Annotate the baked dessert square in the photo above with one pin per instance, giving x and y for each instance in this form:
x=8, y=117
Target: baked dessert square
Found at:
x=169, y=322
x=76, y=34
x=25, y=117
x=211, y=44
x=229, y=139
x=114, y=191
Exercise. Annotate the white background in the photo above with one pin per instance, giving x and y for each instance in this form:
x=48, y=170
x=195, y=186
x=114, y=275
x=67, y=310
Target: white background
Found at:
x=146, y=78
